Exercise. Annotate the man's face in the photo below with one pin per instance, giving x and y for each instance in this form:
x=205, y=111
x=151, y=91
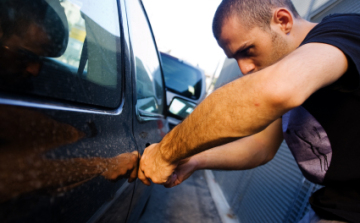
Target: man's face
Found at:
x=252, y=48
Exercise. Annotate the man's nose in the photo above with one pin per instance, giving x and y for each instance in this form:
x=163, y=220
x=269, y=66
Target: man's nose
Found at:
x=246, y=66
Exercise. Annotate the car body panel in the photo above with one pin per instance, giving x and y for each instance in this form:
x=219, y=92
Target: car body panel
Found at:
x=55, y=152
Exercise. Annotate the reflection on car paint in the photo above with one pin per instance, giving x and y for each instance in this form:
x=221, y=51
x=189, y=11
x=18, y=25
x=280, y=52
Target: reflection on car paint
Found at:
x=25, y=168
x=68, y=129
x=163, y=128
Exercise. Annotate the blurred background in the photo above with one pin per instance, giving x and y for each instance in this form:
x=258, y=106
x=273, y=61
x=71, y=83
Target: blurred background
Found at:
x=183, y=29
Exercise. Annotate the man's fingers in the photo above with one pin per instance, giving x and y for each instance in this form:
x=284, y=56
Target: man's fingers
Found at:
x=169, y=185
x=153, y=168
x=141, y=174
x=133, y=175
x=134, y=172
x=143, y=178
x=136, y=153
x=171, y=181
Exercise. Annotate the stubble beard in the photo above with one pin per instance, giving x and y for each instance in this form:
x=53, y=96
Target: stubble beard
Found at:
x=280, y=48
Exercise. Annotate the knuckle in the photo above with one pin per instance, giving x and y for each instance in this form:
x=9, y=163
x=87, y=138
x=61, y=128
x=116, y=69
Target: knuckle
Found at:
x=146, y=174
x=134, y=158
x=158, y=181
x=111, y=177
x=142, y=162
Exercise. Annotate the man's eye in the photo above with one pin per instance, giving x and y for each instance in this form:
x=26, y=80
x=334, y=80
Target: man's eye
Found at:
x=249, y=51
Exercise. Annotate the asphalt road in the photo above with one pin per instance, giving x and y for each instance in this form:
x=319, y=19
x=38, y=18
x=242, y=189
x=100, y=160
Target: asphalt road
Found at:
x=190, y=202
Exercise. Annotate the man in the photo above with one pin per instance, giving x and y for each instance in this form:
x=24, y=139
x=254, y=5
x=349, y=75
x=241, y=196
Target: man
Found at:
x=303, y=87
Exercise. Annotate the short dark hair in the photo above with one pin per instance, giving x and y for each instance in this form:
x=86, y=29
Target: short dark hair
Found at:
x=252, y=12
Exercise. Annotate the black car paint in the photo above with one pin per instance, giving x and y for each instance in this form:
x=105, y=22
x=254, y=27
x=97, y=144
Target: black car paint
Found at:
x=99, y=132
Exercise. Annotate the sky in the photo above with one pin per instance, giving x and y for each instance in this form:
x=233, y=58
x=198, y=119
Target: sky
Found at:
x=184, y=27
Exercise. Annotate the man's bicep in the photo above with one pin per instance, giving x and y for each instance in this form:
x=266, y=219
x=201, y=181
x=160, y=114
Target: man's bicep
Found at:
x=307, y=69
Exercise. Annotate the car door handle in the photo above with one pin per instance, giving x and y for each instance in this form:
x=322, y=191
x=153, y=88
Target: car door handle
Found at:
x=147, y=116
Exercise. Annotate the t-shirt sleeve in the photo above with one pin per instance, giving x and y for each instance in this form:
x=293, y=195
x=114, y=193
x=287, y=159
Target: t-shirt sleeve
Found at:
x=343, y=32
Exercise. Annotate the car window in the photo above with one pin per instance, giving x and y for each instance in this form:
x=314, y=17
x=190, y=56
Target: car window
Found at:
x=149, y=84
x=68, y=49
x=181, y=78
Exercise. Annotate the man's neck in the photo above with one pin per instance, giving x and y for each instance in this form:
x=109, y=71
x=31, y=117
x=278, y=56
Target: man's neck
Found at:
x=302, y=30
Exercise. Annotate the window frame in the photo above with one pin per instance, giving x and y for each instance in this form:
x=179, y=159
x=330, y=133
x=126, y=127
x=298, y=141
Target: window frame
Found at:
x=142, y=115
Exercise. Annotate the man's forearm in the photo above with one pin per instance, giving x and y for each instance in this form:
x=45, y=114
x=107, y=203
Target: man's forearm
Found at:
x=240, y=108
x=244, y=153
x=229, y=157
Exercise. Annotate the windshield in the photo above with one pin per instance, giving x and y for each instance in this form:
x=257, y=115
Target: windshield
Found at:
x=181, y=78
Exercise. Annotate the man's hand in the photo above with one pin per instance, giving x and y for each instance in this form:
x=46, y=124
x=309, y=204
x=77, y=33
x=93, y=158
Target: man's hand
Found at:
x=183, y=171
x=154, y=167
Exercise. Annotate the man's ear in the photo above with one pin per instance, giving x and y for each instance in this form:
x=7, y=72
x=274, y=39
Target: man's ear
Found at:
x=283, y=19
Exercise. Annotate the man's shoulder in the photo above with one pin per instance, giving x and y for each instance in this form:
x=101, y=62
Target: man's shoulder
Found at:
x=335, y=26
x=341, y=17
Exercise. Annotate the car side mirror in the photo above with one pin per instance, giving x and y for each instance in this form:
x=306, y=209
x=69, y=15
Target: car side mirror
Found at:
x=181, y=108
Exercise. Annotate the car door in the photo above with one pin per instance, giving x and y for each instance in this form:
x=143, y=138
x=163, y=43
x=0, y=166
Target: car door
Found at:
x=149, y=121
x=149, y=91
x=150, y=124
x=66, y=111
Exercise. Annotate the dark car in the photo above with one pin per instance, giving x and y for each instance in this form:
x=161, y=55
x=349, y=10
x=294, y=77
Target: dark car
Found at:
x=185, y=87
x=81, y=95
